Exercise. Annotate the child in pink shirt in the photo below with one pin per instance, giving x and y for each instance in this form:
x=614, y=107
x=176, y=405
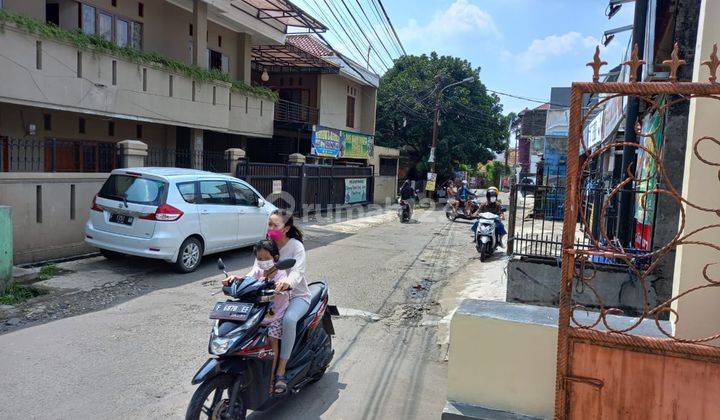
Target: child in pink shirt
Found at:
x=266, y=255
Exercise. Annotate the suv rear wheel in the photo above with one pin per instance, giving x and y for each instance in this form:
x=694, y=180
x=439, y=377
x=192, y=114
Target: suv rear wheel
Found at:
x=189, y=256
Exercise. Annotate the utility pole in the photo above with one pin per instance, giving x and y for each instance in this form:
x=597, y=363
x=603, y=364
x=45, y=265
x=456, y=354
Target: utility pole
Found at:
x=436, y=118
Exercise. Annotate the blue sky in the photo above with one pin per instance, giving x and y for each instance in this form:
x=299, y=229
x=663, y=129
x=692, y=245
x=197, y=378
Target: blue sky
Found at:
x=524, y=47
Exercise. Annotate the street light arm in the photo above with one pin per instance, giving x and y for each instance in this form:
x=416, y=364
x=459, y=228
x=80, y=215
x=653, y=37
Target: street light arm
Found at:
x=465, y=80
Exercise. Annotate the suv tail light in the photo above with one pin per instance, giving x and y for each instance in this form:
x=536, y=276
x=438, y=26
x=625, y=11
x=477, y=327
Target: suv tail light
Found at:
x=95, y=207
x=164, y=213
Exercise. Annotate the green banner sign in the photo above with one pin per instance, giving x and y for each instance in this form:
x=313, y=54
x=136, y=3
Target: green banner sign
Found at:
x=331, y=142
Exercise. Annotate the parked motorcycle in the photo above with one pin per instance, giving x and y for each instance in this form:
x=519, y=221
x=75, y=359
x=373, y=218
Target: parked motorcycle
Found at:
x=238, y=378
x=405, y=211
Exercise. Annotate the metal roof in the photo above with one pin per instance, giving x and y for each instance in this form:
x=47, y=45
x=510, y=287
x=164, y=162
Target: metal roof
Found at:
x=289, y=56
x=285, y=12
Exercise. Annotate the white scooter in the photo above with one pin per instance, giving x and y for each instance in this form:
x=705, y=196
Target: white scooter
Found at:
x=486, y=240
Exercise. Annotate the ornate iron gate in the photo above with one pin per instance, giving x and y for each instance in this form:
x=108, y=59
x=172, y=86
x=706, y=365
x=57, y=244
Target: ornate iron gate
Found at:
x=606, y=366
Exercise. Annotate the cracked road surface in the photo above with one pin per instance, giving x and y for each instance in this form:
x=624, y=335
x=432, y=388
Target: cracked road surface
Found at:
x=132, y=354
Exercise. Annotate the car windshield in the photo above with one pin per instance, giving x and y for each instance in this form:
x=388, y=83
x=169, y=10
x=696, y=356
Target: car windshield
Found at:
x=133, y=189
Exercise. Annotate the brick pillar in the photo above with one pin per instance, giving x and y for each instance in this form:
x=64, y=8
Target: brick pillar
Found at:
x=132, y=153
x=196, y=148
x=233, y=156
x=296, y=159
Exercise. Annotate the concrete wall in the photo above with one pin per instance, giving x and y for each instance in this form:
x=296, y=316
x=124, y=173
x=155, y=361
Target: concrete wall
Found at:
x=14, y=120
x=333, y=104
x=32, y=8
x=502, y=357
x=385, y=187
x=44, y=226
x=57, y=85
x=698, y=312
x=538, y=283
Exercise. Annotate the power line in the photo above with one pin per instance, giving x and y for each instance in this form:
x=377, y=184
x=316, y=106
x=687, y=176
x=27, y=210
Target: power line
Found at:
x=383, y=24
x=370, y=45
x=373, y=28
x=343, y=25
x=352, y=40
x=391, y=26
x=320, y=35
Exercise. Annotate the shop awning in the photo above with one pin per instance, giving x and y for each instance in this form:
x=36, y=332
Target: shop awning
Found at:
x=285, y=12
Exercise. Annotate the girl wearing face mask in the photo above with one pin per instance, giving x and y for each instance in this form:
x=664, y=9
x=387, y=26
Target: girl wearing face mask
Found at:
x=289, y=240
x=266, y=255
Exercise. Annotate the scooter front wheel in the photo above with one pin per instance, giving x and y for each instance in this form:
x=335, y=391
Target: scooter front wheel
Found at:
x=211, y=400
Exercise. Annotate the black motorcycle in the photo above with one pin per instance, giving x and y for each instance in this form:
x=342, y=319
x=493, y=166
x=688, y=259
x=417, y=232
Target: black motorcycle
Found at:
x=238, y=378
x=405, y=211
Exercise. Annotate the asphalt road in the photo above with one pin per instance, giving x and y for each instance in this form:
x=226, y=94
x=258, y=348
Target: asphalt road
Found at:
x=133, y=357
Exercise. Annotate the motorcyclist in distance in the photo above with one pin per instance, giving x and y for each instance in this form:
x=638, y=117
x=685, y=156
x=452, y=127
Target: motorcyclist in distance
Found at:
x=464, y=195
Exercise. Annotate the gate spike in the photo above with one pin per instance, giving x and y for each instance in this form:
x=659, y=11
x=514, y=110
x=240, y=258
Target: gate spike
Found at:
x=674, y=63
x=596, y=64
x=634, y=63
x=712, y=64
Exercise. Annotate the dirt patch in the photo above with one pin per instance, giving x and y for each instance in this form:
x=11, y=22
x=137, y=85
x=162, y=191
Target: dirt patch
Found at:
x=59, y=305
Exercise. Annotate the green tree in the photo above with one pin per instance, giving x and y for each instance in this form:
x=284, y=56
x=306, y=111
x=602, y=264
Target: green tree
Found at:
x=494, y=171
x=472, y=127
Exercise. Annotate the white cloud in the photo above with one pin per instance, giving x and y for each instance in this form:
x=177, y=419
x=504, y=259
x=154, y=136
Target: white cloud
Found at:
x=541, y=49
x=462, y=17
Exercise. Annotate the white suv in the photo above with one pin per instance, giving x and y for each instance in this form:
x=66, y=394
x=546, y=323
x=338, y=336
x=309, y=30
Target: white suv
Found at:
x=176, y=215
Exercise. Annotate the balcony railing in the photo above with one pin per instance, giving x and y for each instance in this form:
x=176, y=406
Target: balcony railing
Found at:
x=287, y=111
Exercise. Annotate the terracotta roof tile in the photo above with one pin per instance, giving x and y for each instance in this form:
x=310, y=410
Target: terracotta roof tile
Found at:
x=309, y=44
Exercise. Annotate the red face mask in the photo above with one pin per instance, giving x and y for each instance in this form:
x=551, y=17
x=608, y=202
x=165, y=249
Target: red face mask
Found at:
x=275, y=234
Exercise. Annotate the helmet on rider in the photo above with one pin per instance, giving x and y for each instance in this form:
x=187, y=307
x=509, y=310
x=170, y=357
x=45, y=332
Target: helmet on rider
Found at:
x=491, y=194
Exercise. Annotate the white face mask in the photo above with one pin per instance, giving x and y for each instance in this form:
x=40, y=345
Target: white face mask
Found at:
x=265, y=265
x=493, y=199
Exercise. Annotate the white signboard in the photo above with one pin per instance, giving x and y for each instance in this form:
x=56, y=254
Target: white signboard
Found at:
x=277, y=186
x=557, y=123
x=593, y=132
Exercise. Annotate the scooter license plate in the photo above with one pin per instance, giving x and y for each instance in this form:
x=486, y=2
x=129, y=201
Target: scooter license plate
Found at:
x=232, y=311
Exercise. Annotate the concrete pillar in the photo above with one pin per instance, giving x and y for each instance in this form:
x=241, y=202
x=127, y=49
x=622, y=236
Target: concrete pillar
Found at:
x=196, y=148
x=244, y=56
x=199, y=21
x=699, y=312
x=132, y=153
x=6, y=247
x=296, y=159
x=233, y=156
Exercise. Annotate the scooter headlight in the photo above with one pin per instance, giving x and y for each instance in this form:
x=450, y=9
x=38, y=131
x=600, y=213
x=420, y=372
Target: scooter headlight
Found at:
x=220, y=345
x=486, y=229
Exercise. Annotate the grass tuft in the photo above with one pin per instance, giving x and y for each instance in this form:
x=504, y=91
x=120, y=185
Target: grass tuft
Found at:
x=18, y=293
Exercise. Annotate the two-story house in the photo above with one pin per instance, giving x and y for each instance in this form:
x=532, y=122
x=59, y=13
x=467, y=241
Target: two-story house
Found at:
x=76, y=77
x=326, y=107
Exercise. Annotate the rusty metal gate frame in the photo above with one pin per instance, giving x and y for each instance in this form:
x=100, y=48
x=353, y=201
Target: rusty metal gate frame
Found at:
x=577, y=266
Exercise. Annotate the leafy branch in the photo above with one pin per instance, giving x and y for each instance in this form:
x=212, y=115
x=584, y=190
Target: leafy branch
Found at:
x=99, y=44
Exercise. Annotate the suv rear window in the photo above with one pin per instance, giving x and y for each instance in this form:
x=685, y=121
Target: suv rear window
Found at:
x=133, y=189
